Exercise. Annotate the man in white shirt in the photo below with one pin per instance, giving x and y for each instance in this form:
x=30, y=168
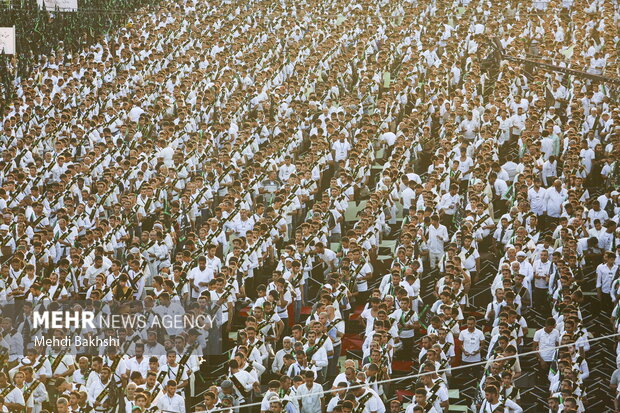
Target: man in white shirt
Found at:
x=406, y=319
x=407, y=195
x=171, y=401
x=554, y=198
x=212, y=261
x=340, y=149
x=436, y=392
x=135, y=112
x=503, y=234
x=368, y=400
x=495, y=306
x=362, y=272
x=311, y=398
x=138, y=363
x=597, y=213
x=606, y=239
x=470, y=257
x=492, y=404
x=499, y=189
x=437, y=236
x=169, y=309
x=473, y=340
x=545, y=341
x=244, y=223
x=469, y=127
x=466, y=166
x=242, y=381
x=278, y=362
x=12, y=395
x=536, y=197
x=420, y=404
x=286, y=169
x=605, y=274
x=200, y=276
x=542, y=268
x=338, y=392
x=99, y=390
x=316, y=352
x=448, y=205
x=173, y=370
x=326, y=255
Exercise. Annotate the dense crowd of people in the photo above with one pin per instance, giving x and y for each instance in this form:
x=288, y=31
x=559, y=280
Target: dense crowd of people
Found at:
x=249, y=164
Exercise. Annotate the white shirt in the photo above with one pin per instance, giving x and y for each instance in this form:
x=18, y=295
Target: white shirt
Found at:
x=541, y=268
x=286, y=171
x=605, y=241
x=199, y=276
x=604, y=276
x=224, y=308
x=329, y=257
x=134, y=113
x=468, y=127
x=95, y=389
x=362, y=285
x=134, y=365
x=319, y=357
x=14, y=396
x=472, y=342
x=246, y=380
x=449, y=203
x=536, y=199
x=509, y=407
x=500, y=188
x=241, y=226
x=554, y=201
x=410, y=408
x=547, y=343
x=399, y=317
x=469, y=259
x=374, y=404
x=171, y=404
x=310, y=399
x=436, y=238
x=442, y=396
x=406, y=196
x=546, y=147
x=278, y=361
x=341, y=150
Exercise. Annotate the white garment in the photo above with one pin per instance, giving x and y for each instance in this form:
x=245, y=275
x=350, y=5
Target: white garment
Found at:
x=547, y=343
x=310, y=398
x=471, y=343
